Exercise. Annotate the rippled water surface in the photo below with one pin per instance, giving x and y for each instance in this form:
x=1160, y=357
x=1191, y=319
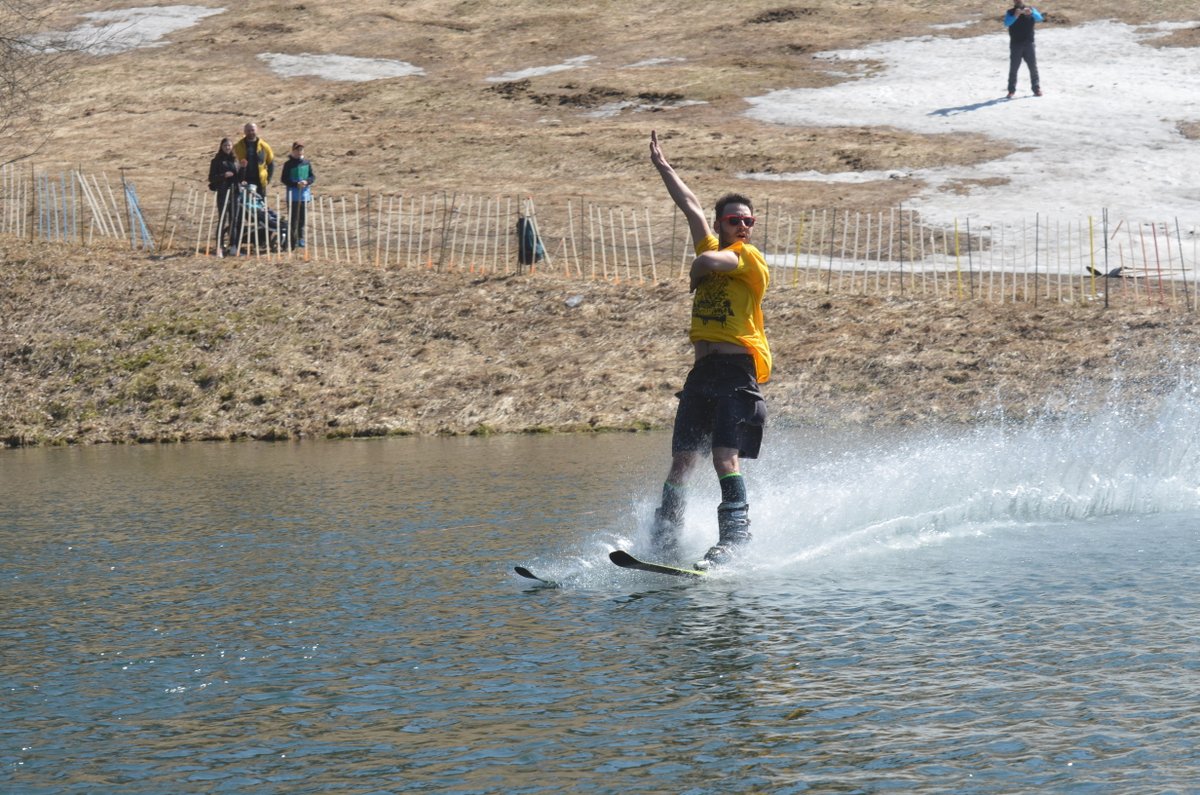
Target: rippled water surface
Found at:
x=993, y=611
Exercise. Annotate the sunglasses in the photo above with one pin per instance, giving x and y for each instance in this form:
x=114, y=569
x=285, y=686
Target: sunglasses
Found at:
x=740, y=220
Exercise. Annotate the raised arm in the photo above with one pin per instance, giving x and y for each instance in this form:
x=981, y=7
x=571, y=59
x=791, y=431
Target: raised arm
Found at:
x=680, y=193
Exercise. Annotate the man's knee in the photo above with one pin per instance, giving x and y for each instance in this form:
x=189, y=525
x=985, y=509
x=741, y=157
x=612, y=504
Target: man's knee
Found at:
x=725, y=460
x=682, y=463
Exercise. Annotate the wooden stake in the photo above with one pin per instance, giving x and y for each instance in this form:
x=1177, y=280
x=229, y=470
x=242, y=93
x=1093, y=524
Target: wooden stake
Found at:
x=854, y=253
x=358, y=226
x=1182, y=264
x=592, y=238
x=650, y=238
x=625, y=245
x=201, y=233
x=832, y=238
x=454, y=219
x=382, y=231
x=421, y=232
x=508, y=238
x=571, y=233
x=603, y=244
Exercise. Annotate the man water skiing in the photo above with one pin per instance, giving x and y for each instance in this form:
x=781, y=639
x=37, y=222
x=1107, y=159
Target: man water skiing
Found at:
x=721, y=408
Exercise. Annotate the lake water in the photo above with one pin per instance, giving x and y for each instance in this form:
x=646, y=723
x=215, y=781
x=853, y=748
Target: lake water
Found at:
x=1000, y=610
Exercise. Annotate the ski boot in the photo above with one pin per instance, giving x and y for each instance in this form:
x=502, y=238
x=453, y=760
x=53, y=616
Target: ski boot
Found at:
x=733, y=525
x=664, y=535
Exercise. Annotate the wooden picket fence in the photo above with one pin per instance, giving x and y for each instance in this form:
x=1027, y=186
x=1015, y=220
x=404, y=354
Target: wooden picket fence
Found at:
x=878, y=252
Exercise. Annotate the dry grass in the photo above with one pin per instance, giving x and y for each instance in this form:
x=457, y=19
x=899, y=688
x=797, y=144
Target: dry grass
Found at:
x=115, y=348
x=161, y=111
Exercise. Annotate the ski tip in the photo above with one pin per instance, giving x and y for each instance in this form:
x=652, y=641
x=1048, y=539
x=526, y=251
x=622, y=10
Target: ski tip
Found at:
x=529, y=575
x=621, y=557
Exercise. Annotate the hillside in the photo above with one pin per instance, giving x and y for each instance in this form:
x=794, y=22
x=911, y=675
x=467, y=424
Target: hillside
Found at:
x=108, y=346
x=687, y=69
x=114, y=348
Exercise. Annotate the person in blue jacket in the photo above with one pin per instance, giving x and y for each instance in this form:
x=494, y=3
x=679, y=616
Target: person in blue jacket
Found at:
x=298, y=176
x=1020, y=20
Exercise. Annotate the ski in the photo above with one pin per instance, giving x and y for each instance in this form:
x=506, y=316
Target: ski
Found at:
x=627, y=561
x=529, y=575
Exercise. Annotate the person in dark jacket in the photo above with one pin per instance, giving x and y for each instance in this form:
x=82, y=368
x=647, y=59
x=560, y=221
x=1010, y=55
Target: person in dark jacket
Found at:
x=1020, y=20
x=298, y=176
x=223, y=179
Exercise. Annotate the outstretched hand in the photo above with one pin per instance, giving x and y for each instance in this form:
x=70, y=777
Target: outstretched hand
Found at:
x=681, y=194
x=656, y=155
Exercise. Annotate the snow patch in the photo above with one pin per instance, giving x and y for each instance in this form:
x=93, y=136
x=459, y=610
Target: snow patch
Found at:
x=1105, y=135
x=536, y=71
x=654, y=62
x=342, y=68
x=611, y=109
x=112, y=32
x=845, y=177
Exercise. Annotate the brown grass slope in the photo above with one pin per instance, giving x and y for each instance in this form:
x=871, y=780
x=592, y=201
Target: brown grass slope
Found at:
x=109, y=346
x=116, y=348
x=161, y=111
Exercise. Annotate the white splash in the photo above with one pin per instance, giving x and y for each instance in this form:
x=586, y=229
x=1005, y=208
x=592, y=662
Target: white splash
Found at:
x=921, y=488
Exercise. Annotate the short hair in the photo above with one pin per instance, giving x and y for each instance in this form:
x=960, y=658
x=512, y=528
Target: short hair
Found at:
x=732, y=198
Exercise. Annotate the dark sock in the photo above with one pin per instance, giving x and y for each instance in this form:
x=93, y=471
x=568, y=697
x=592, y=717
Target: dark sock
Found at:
x=733, y=488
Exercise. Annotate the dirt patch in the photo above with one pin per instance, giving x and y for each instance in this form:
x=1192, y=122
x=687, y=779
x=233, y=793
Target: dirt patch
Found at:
x=963, y=186
x=1187, y=37
x=782, y=15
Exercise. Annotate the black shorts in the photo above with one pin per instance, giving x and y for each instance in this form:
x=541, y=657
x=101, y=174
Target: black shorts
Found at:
x=720, y=406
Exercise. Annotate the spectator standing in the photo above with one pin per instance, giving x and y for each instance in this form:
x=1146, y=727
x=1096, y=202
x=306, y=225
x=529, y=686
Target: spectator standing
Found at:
x=256, y=158
x=298, y=176
x=1020, y=20
x=223, y=178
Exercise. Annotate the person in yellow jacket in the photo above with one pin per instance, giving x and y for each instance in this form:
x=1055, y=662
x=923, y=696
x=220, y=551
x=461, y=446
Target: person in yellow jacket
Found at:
x=255, y=157
x=721, y=408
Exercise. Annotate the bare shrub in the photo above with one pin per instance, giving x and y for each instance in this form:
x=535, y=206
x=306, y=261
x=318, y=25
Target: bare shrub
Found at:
x=34, y=68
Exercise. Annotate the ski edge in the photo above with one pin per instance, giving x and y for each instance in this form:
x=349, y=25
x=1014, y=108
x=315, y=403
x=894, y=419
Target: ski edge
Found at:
x=627, y=561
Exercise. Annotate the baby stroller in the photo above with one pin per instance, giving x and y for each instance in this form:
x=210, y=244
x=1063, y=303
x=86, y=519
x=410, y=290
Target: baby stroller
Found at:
x=254, y=226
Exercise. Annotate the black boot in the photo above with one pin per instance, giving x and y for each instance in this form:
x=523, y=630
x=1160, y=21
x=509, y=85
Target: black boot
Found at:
x=733, y=525
x=664, y=535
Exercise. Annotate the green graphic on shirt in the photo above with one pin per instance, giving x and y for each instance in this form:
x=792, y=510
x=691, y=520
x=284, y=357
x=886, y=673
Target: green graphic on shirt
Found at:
x=712, y=300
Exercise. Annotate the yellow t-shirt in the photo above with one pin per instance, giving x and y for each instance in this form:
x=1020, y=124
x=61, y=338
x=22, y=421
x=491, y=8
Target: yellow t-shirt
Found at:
x=727, y=306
